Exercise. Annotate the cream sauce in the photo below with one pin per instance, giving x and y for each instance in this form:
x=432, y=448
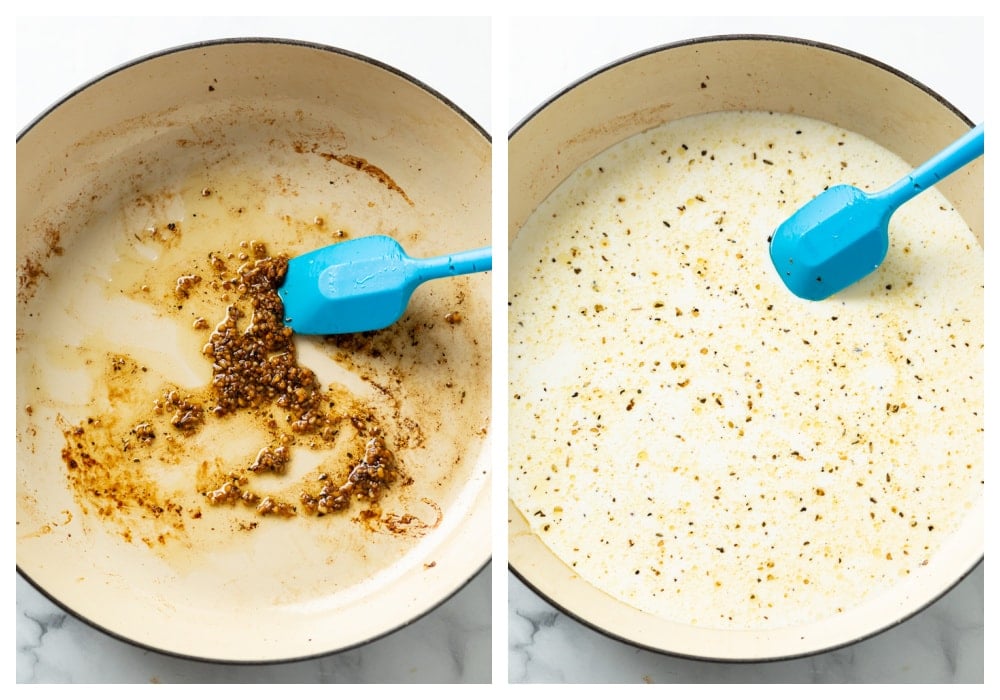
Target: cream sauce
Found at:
x=694, y=440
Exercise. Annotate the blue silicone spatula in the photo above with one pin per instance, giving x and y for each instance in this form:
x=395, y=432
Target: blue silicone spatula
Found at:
x=842, y=235
x=363, y=284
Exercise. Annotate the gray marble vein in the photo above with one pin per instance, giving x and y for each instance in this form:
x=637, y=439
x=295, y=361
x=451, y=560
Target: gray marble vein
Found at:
x=452, y=644
x=942, y=644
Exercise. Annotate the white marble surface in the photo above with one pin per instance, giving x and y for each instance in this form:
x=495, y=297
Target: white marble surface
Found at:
x=56, y=55
x=944, y=643
x=451, y=644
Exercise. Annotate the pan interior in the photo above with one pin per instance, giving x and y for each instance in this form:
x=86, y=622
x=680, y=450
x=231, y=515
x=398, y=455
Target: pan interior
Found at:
x=630, y=101
x=139, y=199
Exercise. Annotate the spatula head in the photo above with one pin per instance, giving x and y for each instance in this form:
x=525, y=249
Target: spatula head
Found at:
x=356, y=285
x=832, y=242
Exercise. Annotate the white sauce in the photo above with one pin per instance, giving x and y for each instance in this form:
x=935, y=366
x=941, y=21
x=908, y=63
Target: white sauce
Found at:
x=693, y=439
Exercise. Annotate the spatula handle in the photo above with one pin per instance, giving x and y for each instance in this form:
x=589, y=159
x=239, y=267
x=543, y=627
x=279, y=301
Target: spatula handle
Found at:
x=467, y=262
x=960, y=153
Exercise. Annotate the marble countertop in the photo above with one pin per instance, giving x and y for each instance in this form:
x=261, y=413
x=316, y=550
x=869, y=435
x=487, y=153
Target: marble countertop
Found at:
x=942, y=644
x=451, y=644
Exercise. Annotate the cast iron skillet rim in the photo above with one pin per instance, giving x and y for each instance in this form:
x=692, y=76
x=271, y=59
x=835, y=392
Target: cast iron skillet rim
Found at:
x=193, y=47
x=258, y=40
x=739, y=37
x=709, y=40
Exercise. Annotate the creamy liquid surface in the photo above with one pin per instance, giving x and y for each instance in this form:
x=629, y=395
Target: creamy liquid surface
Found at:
x=694, y=440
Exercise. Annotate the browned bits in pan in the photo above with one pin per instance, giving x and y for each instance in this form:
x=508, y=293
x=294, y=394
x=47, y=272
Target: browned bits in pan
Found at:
x=271, y=460
x=376, y=470
x=254, y=372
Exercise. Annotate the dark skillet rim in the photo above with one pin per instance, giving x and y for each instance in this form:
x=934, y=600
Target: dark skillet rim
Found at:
x=709, y=40
x=210, y=43
x=194, y=47
x=742, y=661
x=251, y=662
x=739, y=37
